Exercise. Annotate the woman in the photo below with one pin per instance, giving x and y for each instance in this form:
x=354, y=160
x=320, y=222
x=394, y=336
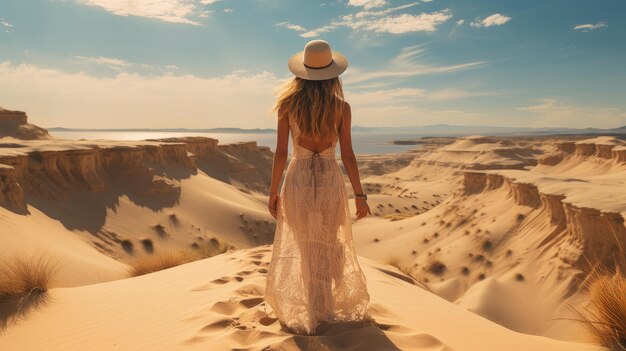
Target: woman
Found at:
x=314, y=276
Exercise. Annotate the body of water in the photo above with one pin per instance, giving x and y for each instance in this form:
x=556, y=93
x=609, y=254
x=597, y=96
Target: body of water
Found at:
x=362, y=143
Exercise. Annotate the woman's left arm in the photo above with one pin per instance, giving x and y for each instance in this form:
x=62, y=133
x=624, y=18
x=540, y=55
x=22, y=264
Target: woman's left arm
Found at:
x=280, y=158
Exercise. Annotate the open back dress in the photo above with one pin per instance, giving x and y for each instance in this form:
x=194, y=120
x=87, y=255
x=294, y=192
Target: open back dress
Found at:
x=314, y=275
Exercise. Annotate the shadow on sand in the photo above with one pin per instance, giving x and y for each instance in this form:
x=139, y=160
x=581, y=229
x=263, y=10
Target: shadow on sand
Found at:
x=15, y=308
x=361, y=335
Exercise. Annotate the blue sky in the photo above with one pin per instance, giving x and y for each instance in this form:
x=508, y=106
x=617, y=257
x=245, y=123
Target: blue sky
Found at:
x=217, y=63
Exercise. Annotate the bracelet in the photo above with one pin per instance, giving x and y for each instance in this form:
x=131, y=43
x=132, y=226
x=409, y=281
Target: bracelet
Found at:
x=363, y=196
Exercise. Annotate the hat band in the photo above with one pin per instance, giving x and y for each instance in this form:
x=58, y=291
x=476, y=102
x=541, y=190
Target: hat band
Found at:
x=322, y=67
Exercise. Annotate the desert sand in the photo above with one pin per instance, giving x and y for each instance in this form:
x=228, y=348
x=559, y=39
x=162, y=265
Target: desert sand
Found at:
x=475, y=243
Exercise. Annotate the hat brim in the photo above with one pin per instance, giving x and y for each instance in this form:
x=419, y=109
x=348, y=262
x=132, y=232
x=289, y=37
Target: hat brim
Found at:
x=337, y=67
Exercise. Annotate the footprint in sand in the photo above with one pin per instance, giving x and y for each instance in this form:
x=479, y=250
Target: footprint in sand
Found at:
x=250, y=290
x=217, y=325
x=249, y=303
x=267, y=321
x=224, y=280
x=419, y=341
x=225, y=307
x=218, y=281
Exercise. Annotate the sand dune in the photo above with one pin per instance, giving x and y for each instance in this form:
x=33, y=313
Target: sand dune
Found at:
x=217, y=303
x=491, y=235
x=520, y=234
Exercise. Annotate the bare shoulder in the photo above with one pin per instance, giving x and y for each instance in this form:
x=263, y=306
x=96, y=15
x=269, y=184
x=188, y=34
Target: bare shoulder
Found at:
x=346, y=108
x=346, y=113
x=283, y=115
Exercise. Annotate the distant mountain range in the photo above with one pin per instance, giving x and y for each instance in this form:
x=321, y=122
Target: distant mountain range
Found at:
x=435, y=129
x=454, y=130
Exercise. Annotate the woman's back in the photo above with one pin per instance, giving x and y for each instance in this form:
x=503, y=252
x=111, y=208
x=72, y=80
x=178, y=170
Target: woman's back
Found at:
x=301, y=141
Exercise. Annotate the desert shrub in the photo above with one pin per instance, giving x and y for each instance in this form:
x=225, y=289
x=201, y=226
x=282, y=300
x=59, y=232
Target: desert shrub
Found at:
x=160, y=260
x=213, y=248
x=437, y=267
x=406, y=269
x=168, y=258
x=147, y=244
x=487, y=245
x=160, y=229
x=24, y=281
x=605, y=316
x=127, y=245
x=26, y=275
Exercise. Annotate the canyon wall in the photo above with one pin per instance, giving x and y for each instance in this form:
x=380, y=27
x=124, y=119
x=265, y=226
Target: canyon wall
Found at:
x=143, y=168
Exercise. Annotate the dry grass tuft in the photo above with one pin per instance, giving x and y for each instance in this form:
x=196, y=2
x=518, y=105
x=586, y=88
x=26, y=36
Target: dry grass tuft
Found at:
x=213, y=247
x=396, y=216
x=21, y=276
x=160, y=260
x=148, y=245
x=127, y=245
x=24, y=281
x=168, y=258
x=406, y=269
x=605, y=317
x=437, y=267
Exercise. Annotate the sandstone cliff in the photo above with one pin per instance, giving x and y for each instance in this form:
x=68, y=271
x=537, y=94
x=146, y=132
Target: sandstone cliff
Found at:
x=15, y=124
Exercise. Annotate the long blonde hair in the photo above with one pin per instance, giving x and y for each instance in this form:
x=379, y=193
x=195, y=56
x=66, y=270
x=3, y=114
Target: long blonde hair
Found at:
x=314, y=104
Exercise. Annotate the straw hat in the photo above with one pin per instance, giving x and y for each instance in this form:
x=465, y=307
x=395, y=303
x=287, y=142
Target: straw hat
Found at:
x=317, y=62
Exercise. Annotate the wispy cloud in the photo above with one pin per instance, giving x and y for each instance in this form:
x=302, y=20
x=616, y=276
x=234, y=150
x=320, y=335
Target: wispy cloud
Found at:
x=555, y=113
x=379, y=21
x=367, y=4
x=119, y=65
x=494, y=20
x=109, y=62
x=363, y=14
x=408, y=63
x=398, y=24
x=316, y=32
x=288, y=25
x=589, y=27
x=7, y=26
x=174, y=11
x=403, y=95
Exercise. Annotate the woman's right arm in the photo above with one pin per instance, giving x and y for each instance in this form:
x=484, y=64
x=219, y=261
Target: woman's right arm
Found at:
x=349, y=160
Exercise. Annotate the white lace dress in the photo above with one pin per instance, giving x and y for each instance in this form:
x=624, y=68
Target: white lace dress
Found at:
x=314, y=275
